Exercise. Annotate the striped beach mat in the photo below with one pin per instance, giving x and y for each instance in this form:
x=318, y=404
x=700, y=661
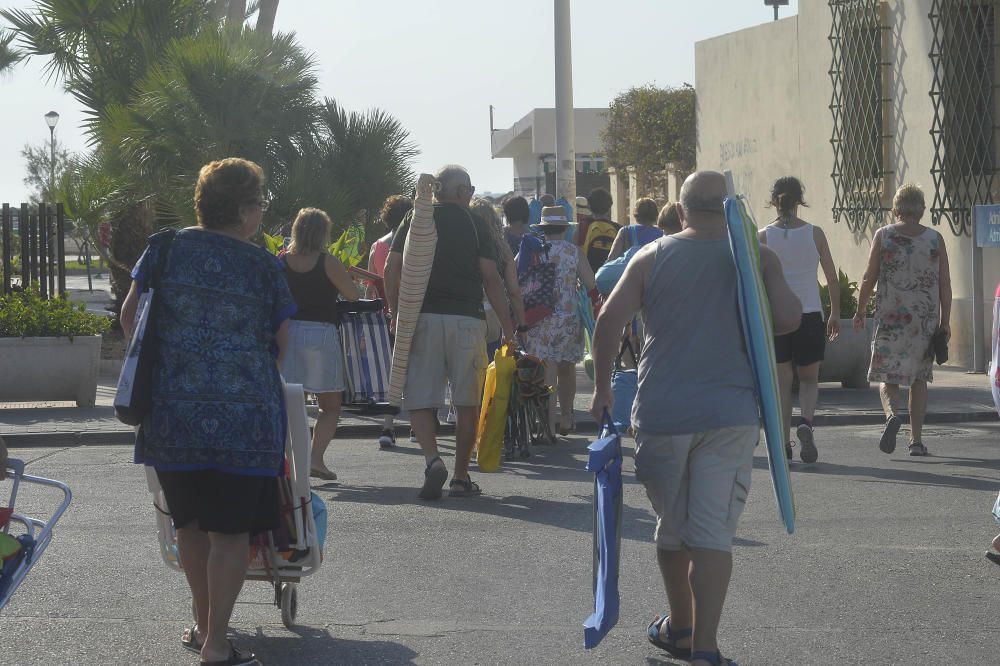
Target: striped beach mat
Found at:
x=418, y=259
x=367, y=357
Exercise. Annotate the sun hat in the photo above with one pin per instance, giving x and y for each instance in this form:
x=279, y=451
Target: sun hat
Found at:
x=553, y=218
x=583, y=207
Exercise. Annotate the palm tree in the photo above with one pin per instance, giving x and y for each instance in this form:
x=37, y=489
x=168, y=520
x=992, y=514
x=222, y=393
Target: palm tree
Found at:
x=100, y=50
x=267, y=10
x=216, y=95
x=9, y=56
x=370, y=154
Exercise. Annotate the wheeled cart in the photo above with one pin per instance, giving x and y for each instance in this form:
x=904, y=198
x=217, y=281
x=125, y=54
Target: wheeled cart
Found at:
x=293, y=551
x=34, y=534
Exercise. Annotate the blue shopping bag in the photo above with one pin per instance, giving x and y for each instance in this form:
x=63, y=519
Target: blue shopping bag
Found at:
x=606, y=464
x=624, y=386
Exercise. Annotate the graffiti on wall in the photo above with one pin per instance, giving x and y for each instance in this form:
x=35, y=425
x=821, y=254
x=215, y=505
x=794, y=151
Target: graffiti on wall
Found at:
x=734, y=156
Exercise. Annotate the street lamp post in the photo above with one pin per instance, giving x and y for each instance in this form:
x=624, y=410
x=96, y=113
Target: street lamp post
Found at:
x=51, y=118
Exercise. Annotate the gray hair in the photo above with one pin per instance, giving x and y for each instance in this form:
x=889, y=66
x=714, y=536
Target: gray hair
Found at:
x=451, y=177
x=909, y=199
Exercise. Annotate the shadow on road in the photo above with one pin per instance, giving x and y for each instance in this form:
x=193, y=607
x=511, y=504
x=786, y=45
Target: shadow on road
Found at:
x=904, y=476
x=317, y=646
x=577, y=516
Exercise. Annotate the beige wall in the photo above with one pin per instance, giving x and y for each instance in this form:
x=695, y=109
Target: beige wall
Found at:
x=763, y=112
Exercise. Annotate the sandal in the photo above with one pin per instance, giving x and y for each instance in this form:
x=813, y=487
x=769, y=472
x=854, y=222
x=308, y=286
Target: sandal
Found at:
x=189, y=640
x=322, y=473
x=713, y=658
x=887, y=443
x=434, y=478
x=566, y=430
x=918, y=449
x=464, y=488
x=673, y=635
x=236, y=658
x=993, y=556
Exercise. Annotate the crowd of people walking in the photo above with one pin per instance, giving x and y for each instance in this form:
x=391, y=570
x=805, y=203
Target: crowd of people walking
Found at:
x=236, y=322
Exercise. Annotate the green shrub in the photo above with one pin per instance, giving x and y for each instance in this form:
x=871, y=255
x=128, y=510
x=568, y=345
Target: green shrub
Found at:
x=27, y=314
x=848, y=298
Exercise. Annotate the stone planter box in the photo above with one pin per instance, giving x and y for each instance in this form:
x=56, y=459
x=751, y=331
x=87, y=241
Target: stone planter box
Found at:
x=55, y=369
x=847, y=358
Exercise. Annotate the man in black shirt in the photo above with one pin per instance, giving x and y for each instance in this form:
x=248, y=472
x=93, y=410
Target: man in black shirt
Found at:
x=449, y=344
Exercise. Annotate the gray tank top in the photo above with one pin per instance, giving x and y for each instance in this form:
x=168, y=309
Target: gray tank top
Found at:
x=694, y=374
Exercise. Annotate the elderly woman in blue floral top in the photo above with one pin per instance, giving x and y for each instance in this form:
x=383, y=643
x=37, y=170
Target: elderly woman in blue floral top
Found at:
x=216, y=431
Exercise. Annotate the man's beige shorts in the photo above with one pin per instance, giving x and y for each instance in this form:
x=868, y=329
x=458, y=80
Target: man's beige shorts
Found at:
x=446, y=348
x=697, y=484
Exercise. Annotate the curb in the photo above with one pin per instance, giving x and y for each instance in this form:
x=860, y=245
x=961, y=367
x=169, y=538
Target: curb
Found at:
x=373, y=430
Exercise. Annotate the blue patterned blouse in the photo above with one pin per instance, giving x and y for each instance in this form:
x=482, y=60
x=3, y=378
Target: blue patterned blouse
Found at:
x=217, y=396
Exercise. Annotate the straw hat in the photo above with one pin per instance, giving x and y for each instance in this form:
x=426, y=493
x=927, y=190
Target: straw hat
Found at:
x=583, y=207
x=553, y=219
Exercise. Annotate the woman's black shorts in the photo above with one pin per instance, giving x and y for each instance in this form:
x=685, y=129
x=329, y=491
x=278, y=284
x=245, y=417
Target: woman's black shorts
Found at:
x=217, y=502
x=804, y=346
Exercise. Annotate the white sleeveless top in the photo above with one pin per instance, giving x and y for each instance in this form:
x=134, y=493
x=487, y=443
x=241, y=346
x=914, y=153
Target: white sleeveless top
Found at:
x=796, y=248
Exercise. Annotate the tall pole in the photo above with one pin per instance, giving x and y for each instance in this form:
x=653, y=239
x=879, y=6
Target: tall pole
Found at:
x=565, y=147
x=52, y=161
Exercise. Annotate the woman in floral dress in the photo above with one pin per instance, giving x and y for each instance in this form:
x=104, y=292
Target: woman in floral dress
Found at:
x=558, y=339
x=909, y=263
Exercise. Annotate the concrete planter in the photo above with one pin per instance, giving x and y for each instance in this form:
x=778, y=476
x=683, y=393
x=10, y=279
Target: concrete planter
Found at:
x=847, y=358
x=50, y=369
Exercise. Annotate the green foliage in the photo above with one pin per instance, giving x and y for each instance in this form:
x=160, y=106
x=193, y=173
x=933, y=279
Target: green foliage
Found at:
x=348, y=246
x=38, y=162
x=649, y=127
x=215, y=95
x=273, y=244
x=26, y=314
x=848, y=297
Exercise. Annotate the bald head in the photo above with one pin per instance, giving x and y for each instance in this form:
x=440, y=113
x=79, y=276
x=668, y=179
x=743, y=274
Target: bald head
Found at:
x=703, y=192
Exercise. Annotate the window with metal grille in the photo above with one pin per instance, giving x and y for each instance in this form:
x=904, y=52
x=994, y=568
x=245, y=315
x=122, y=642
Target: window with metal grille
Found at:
x=964, y=94
x=860, y=106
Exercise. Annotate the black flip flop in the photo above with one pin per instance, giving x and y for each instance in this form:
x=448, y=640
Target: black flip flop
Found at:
x=464, y=488
x=434, y=478
x=887, y=442
x=236, y=658
x=993, y=556
x=673, y=635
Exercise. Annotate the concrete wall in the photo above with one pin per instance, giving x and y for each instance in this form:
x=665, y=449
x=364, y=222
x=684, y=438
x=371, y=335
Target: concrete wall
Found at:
x=763, y=112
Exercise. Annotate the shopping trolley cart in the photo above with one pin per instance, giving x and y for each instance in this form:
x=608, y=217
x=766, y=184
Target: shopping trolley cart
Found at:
x=284, y=556
x=34, y=534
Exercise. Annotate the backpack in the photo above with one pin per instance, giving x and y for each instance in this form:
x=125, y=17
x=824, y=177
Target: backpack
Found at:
x=536, y=276
x=598, y=237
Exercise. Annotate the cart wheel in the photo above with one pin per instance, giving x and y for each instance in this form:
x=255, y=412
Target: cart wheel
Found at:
x=289, y=604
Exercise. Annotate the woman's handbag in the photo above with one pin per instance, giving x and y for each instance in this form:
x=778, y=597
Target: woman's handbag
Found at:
x=939, y=346
x=134, y=396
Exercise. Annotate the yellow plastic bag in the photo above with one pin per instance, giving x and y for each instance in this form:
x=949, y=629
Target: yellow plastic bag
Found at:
x=493, y=418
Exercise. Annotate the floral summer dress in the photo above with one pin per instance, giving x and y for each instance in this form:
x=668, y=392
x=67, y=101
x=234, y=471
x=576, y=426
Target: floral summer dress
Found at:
x=907, y=308
x=559, y=337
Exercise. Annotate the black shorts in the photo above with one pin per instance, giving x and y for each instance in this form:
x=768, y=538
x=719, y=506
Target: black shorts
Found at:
x=804, y=346
x=217, y=502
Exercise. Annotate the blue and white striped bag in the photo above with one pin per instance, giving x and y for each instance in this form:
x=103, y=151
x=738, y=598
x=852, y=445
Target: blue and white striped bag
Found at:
x=367, y=357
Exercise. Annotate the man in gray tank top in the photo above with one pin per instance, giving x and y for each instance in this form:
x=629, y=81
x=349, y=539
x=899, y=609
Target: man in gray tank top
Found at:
x=695, y=412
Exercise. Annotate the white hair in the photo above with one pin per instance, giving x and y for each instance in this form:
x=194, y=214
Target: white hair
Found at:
x=451, y=177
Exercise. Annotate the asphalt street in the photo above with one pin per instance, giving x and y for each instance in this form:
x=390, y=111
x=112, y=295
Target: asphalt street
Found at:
x=886, y=565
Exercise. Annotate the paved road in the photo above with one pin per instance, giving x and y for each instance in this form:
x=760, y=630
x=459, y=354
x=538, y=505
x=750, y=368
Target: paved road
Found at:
x=886, y=566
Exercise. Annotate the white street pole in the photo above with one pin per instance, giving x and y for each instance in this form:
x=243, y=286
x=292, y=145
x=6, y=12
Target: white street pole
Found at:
x=978, y=332
x=565, y=146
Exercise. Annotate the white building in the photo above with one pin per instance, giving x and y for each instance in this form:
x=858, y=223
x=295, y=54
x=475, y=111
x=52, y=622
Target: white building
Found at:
x=857, y=97
x=531, y=143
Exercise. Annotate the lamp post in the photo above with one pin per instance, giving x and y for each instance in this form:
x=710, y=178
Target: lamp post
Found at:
x=51, y=118
x=776, y=4
x=565, y=135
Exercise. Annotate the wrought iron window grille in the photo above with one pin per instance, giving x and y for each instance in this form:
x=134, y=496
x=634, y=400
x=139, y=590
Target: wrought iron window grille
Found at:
x=860, y=72
x=964, y=95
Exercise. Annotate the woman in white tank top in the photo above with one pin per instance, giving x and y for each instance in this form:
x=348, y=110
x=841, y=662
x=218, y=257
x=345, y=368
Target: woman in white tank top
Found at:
x=802, y=249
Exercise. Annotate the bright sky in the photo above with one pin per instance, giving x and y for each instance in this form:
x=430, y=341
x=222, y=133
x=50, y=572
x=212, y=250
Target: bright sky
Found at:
x=438, y=65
